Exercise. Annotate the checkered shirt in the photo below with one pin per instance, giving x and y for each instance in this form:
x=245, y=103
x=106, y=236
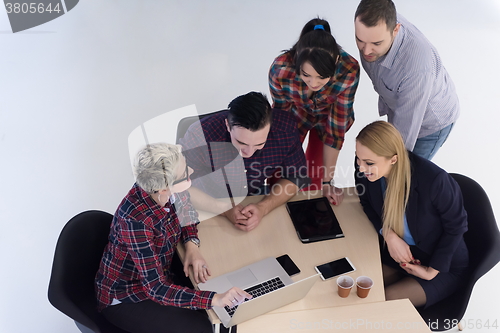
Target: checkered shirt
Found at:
x=142, y=240
x=282, y=153
x=329, y=110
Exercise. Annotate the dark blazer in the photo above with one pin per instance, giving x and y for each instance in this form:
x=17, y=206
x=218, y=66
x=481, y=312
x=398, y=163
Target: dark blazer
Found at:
x=435, y=213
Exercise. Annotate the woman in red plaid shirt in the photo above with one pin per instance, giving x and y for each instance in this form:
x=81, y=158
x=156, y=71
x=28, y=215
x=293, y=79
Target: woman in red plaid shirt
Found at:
x=317, y=80
x=136, y=287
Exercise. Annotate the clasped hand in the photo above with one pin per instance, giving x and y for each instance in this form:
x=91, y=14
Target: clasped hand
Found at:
x=245, y=218
x=423, y=272
x=401, y=253
x=398, y=248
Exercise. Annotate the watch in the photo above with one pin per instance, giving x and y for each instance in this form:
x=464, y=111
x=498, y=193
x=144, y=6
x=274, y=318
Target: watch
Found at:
x=195, y=240
x=331, y=182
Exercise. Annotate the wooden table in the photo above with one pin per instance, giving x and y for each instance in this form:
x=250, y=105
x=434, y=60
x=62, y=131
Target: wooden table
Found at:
x=390, y=316
x=226, y=248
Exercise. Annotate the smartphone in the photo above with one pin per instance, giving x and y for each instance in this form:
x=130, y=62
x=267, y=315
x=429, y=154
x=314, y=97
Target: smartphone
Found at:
x=288, y=265
x=335, y=268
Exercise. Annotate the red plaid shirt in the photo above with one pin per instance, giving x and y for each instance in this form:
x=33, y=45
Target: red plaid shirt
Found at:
x=330, y=110
x=142, y=240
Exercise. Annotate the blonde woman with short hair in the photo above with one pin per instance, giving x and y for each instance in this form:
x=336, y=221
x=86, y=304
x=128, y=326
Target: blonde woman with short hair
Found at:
x=137, y=287
x=417, y=208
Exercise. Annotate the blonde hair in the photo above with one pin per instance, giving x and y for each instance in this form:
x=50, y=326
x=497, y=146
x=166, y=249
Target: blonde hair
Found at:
x=384, y=139
x=155, y=166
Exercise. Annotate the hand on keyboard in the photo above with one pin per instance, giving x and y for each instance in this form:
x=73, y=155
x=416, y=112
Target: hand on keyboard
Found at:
x=230, y=298
x=258, y=290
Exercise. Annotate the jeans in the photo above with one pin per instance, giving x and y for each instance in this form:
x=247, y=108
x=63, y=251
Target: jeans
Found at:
x=428, y=146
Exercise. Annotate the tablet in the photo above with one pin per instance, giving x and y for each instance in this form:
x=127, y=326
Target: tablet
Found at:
x=314, y=220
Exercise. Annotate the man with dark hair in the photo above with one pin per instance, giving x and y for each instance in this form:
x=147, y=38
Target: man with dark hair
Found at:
x=234, y=152
x=415, y=91
x=251, y=111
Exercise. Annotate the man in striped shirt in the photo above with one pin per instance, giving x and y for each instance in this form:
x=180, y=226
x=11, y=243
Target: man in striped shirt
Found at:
x=415, y=91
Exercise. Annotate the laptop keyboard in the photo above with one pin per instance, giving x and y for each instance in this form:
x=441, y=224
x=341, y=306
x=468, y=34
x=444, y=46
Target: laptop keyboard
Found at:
x=259, y=290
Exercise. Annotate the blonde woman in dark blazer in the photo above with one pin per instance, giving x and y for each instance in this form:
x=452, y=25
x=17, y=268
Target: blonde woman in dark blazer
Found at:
x=417, y=208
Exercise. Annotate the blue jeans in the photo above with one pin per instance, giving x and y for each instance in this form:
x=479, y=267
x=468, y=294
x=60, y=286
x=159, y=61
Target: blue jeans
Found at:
x=428, y=146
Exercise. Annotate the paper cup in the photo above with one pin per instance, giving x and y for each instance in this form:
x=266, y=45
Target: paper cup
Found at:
x=345, y=284
x=363, y=284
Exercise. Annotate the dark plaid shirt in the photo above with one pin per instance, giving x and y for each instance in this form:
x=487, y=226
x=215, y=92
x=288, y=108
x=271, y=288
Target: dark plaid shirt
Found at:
x=282, y=153
x=329, y=110
x=142, y=240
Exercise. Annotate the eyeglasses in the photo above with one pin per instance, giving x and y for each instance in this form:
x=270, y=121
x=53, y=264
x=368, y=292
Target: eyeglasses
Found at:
x=183, y=179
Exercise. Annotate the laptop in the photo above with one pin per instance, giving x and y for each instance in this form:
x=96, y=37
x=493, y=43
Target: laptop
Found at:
x=269, y=284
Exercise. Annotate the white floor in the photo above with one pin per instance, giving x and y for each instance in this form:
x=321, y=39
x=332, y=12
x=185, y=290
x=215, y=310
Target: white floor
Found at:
x=72, y=90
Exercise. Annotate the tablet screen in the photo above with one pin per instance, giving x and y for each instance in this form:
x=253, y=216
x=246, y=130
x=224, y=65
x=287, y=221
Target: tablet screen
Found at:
x=314, y=220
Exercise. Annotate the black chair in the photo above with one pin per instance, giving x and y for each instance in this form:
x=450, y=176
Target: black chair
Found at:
x=76, y=261
x=184, y=123
x=483, y=242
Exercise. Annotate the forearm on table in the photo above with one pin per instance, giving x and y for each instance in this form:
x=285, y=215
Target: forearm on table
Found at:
x=190, y=247
x=281, y=192
x=207, y=203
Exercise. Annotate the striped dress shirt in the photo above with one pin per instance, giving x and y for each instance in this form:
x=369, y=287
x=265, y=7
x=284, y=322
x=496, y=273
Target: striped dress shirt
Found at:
x=415, y=91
